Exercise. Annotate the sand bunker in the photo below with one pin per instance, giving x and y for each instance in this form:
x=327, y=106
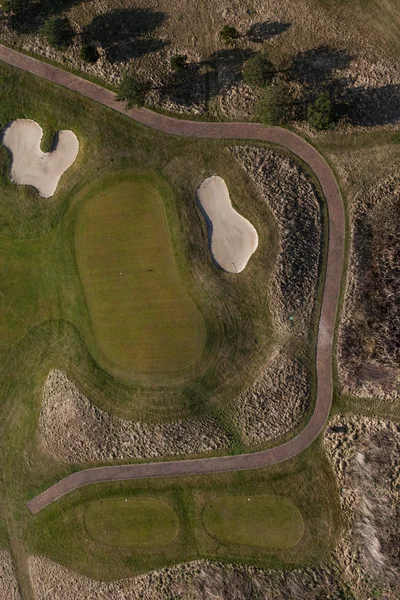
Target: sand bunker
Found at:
x=31, y=166
x=233, y=238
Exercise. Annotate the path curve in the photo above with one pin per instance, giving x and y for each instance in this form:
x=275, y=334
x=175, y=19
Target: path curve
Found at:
x=200, y=129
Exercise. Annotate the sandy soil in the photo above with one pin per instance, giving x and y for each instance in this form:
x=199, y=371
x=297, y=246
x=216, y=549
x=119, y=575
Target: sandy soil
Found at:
x=8, y=582
x=233, y=238
x=31, y=166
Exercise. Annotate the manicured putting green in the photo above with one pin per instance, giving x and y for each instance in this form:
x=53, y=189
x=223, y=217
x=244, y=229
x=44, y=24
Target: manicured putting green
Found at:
x=131, y=522
x=267, y=521
x=142, y=316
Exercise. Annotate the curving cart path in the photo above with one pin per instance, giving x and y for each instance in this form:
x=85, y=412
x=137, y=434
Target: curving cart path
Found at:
x=248, y=131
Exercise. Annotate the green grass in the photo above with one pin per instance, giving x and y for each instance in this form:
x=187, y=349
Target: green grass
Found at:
x=143, y=318
x=131, y=522
x=266, y=521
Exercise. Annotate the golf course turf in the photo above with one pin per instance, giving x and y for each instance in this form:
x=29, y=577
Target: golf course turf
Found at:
x=142, y=316
x=266, y=521
x=131, y=522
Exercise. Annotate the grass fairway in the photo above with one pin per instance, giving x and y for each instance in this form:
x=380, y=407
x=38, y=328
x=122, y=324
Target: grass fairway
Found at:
x=265, y=521
x=131, y=522
x=142, y=316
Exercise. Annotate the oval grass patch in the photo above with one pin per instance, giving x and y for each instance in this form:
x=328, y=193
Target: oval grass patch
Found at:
x=131, y=522
x=265, y=521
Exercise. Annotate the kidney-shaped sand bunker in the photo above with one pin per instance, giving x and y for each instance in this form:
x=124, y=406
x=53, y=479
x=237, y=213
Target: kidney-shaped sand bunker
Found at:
x=31, y=166
x=233, y=238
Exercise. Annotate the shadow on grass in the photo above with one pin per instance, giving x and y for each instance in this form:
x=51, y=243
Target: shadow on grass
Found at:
x=125, y=33
x=265, y=30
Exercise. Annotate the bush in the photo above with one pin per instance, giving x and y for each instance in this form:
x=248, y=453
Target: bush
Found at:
x=15, y=6
x=131, y=90
x=275, y=106
x=229, y=34
x=396, y=138
x=320, y=113
x=89, y=54
x=258, y=70
x=178, y=62
x=58, y=32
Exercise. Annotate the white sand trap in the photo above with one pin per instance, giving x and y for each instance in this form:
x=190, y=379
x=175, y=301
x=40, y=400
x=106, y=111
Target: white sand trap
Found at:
x=31, y=166
x=233, y=238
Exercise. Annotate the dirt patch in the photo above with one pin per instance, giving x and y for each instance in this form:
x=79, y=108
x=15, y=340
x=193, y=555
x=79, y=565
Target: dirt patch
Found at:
x=369, y=349
x=9, y=589
x=31, y=166
x=293, y=199
x=276, y=401
x=365, y=457
x=74, y=430
x=233, y=238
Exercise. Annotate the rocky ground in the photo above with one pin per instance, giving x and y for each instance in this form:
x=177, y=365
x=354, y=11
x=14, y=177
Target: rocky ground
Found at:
x=9, y=589
x=369, y=347
x=311, y=47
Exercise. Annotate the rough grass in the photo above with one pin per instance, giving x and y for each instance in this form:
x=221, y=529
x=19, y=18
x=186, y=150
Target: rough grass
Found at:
x=143, y=318
x=265, y=521
x=127, y=522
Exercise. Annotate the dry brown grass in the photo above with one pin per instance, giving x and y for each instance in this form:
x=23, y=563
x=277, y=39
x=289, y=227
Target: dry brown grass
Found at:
x=9, y=589
x=358, y=48
x=365, y=457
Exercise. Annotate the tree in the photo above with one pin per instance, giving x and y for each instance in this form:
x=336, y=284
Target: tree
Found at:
x=258, y=70
x=275, y=105
x=89, y=54
x=178, y=62
x=131, y=90
x=58, y=32
x=229, y=34
x=320, y=112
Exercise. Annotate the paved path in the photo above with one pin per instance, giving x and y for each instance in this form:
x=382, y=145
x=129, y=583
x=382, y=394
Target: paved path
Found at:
x=250, y=131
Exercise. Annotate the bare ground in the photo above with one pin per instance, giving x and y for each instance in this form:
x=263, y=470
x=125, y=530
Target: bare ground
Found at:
x=9, y=589
x=319, y=46
x=369, y=347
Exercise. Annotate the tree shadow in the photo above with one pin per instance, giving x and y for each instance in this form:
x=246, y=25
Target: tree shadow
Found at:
x=125, y=33
x=369, y=107
x=34, y=15
x=265, y=30
x=200, y=82
x=318, y=64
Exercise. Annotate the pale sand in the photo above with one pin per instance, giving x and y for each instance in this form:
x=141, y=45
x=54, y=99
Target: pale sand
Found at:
x=31, y=166
x=233, y=238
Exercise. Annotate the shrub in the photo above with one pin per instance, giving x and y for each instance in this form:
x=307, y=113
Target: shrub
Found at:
x=258, y=70
x=229, y=34
x=15, y=6
x=320, y=112
x=58, y=32
x=131, y=90
x=396, y=138
x=275, y=106
x=178, y=62
x=89, y=54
